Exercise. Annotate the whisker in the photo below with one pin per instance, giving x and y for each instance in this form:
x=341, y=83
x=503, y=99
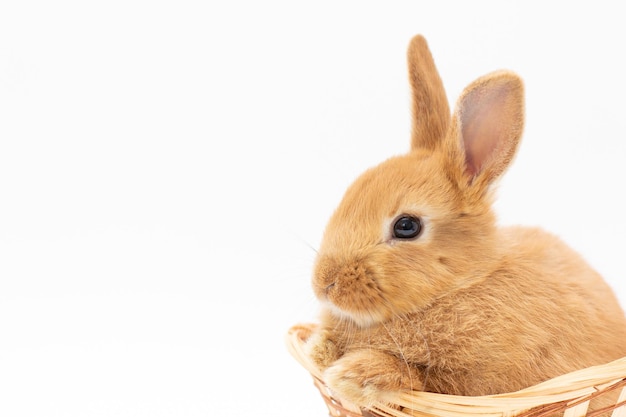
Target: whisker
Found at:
x=304, y=242
x=401, y=351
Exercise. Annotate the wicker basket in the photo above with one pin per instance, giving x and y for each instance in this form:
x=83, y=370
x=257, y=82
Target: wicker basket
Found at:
x=566, y=395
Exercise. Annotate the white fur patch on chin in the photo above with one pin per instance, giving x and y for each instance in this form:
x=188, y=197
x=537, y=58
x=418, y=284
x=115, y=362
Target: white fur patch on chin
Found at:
x=362, y=319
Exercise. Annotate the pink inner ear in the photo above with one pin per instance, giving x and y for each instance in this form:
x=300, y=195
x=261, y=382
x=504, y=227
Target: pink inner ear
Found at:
x=485, y=110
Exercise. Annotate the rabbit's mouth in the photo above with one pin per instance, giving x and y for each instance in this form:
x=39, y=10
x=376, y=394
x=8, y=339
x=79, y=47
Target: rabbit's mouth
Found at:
x=350, y=290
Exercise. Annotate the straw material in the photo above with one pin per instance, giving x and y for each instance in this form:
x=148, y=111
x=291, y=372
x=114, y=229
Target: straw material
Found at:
x=566, y=395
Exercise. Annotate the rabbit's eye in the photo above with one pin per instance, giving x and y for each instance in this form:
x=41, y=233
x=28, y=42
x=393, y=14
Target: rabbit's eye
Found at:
x=407, y=227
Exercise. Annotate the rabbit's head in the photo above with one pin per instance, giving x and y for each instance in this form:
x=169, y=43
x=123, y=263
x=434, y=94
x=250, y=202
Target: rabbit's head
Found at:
x=420, y=225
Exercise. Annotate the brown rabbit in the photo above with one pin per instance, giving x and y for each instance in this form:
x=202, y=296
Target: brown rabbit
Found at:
x=421, y=290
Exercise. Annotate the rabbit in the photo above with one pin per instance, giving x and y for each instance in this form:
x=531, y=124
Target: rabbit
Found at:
x=420, y=289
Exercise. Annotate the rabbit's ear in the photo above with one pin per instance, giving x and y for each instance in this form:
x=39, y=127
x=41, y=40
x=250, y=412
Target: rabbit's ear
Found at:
x=488, y=123
x=431, y=113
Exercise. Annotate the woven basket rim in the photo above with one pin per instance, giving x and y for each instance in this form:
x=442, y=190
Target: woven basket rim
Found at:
x=561, y=389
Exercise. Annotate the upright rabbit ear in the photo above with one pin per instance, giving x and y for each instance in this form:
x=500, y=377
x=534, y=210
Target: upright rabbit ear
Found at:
x=431, y=113
x=488, y=123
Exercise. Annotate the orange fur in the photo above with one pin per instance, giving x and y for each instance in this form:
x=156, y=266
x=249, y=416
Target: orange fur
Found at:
x=465, y=308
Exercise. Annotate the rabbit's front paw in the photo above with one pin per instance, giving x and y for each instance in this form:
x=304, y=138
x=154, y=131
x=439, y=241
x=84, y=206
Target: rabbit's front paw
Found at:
x=364, y=377
x=321, y=349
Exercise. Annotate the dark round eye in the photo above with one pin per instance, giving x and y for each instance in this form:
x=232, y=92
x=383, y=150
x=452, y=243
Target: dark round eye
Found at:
x=407, y=227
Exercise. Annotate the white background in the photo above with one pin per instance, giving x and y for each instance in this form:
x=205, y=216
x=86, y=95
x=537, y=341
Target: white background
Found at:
x=167, y=168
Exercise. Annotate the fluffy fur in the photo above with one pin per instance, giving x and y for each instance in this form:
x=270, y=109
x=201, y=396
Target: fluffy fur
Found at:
x=466, y=308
